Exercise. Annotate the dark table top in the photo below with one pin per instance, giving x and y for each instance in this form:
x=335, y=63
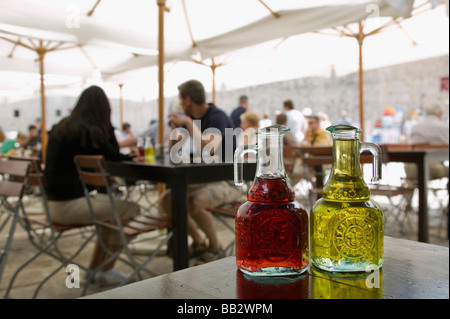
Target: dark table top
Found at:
x=411, y=270
x=166, y=172
x=178, y=177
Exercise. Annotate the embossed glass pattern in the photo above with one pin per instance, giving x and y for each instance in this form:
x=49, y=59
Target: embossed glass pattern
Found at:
x=346, y=225
x=271, y=227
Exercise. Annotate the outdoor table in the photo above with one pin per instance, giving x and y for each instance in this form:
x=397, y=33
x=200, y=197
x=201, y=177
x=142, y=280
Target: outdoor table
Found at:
x=422, y=158
x=412, y=270
x=178, y=177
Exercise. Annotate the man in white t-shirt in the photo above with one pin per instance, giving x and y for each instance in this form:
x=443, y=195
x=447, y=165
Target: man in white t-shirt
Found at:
x=295, y=120
x=125, y=138
x=431, y=130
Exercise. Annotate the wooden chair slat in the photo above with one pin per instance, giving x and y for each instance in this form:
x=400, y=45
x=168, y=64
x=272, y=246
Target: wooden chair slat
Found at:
x=15, y=168
x=35, y=173
x=8, y=188
x=93, y=179
x=90, y=162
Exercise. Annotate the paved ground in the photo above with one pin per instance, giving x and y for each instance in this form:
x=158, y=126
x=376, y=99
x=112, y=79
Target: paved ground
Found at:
x=29, y=278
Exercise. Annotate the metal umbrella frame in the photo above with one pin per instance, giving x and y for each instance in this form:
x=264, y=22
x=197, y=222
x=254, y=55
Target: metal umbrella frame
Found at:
x=360, y=35
x=41, y=50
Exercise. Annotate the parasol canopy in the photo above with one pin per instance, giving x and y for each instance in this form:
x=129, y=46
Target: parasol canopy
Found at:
x=144, y=33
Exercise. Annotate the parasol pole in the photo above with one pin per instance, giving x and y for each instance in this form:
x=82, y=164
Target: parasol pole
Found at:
x=41, y=52
x=360, y=37
x=121, y=105
x=213, y=69
x=161, y=6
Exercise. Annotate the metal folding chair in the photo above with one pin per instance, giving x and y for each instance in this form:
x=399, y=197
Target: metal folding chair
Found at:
x=145, y=194
x=11, y=192
x=45, y=235
x=93, y=172
x=398, y=209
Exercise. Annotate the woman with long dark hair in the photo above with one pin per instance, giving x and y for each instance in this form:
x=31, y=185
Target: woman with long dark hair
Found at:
x=88, y=131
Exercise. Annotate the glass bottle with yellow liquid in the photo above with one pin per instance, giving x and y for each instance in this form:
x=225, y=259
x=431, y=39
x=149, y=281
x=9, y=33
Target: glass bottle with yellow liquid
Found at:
x=346, y=225
x=149, y=150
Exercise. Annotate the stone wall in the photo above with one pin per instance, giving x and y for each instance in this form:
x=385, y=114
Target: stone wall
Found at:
x=58, y=107
x=408, y=85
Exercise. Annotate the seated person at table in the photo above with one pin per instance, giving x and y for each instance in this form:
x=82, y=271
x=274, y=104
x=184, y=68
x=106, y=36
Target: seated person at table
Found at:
x=289, y=141
x=432, y=130
x=34, y=143
x=11, y=146
x=126, y=139
x=236, y=114
x=295, y=120
x=315, y=134
x=87, y=131
x=288, y=138
x=249, y=125
x=203, y=196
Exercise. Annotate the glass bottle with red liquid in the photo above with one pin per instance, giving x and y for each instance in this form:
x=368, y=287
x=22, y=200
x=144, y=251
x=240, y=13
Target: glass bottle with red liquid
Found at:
x=271, y=226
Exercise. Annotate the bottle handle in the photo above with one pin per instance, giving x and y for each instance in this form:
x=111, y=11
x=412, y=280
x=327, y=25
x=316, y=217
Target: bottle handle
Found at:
x=239, y=161
x=376, y=163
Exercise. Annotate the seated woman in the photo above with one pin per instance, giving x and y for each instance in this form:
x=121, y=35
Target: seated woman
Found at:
x=249, y=125
x=87, y=131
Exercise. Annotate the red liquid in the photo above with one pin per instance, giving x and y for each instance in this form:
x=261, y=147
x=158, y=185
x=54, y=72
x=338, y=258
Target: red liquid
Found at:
x=250, y=287
x=271, y=229
x=141, y=157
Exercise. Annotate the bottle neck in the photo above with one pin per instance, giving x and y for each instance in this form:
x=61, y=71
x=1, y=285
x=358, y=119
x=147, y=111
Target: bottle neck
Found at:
x=346, y=182
x=270, y=184
x=346, y=157
x=270, y=162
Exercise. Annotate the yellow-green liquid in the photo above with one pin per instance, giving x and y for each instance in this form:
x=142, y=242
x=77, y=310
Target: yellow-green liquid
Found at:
x=346, y=235
x=346, y=226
